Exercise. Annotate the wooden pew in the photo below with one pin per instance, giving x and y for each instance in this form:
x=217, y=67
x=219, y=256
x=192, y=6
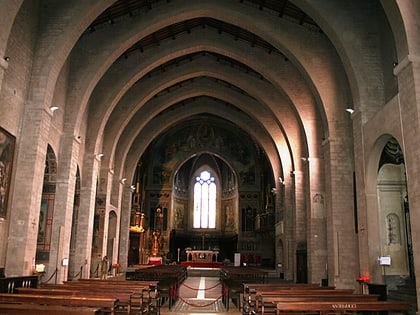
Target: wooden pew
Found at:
x=285, y=285
x=232, y=279
x=107, y=305
x=113, y=282
x=33, y=309
x=267, y=303
x=169, y=278
x=121, y=295
x=243, y=274
x=253, y=296
x=123, y=290
x=342, y=307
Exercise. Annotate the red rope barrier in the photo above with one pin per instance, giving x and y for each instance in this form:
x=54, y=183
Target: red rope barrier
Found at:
x=205, y=289
x=195, y=305
x=54, y=273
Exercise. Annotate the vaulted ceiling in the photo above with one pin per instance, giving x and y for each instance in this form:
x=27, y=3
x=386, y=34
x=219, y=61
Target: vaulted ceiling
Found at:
x=140, y=68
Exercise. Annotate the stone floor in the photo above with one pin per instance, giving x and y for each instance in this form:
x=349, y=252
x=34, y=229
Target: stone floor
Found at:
x=200, y=294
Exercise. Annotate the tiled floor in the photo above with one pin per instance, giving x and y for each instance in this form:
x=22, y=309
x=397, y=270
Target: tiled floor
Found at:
x=200, y=295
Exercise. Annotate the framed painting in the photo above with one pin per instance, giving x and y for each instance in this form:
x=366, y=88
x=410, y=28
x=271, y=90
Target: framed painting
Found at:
x=7, y=147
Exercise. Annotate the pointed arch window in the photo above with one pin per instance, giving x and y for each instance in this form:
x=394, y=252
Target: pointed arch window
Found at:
x=204, y=201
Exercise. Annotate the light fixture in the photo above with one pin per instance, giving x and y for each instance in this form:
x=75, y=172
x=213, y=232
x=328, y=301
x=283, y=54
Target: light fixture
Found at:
x=6, y=58
x=100, y=156
x=281, y=181
x=350, y=110
x=123, y=180
x=53, y=108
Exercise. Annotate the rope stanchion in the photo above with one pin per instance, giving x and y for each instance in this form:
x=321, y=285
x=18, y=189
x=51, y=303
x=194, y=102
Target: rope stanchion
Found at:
x=198, y=289
x=96, y=272
x=78, y=274
x=197, y=305
x=54, y=273
x=192, y=304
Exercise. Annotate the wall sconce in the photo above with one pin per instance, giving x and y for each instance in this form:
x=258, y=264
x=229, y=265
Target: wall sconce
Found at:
x=281, y=181
x=133, y=188
x=292, y=173
x=53, y=108
x=123, y=180
x=350, y=110
x=4, y=63
x=99, y=156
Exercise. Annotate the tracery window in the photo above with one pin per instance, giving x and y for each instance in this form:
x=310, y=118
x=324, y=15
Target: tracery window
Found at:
x=204, y=201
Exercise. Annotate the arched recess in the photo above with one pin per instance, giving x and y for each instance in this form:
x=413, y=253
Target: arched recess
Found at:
x=223, y=237
x=46, y=213
x=246, y=181
x=393, y=217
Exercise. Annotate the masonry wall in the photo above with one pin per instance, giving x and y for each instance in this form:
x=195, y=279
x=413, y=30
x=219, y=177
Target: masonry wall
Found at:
x=14, y=88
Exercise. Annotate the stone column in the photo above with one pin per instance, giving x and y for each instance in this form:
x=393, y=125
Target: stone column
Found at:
x=341, y=234
x=27, y=192
x=84, y=235
x=124, y=241
x=317, y=222
x=408, y=72
x=289, y=238
x=63, y=207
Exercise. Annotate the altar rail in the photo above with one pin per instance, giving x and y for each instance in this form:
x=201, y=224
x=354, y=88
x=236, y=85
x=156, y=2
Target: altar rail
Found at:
x=9, y=284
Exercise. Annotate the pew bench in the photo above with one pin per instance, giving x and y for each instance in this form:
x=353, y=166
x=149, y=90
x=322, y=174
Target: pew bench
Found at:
x=251, y=297
x=168, y=277
x=107, y=305
x=122, y=296
x=267, y=303
x=341, y=307
x=128, y=292
x=34, y=309
x=285, y=285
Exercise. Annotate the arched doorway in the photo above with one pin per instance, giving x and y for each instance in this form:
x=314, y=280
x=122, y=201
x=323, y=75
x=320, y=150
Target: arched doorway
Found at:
x=393, y=215
x=46, y=213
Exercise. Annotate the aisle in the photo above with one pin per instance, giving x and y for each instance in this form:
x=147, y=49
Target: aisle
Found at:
x=199, y=295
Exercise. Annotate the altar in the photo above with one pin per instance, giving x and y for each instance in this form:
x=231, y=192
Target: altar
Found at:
x=202, y=256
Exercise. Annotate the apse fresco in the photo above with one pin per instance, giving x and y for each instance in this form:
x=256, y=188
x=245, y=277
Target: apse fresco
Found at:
x=178, y=145
x=7, y=146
